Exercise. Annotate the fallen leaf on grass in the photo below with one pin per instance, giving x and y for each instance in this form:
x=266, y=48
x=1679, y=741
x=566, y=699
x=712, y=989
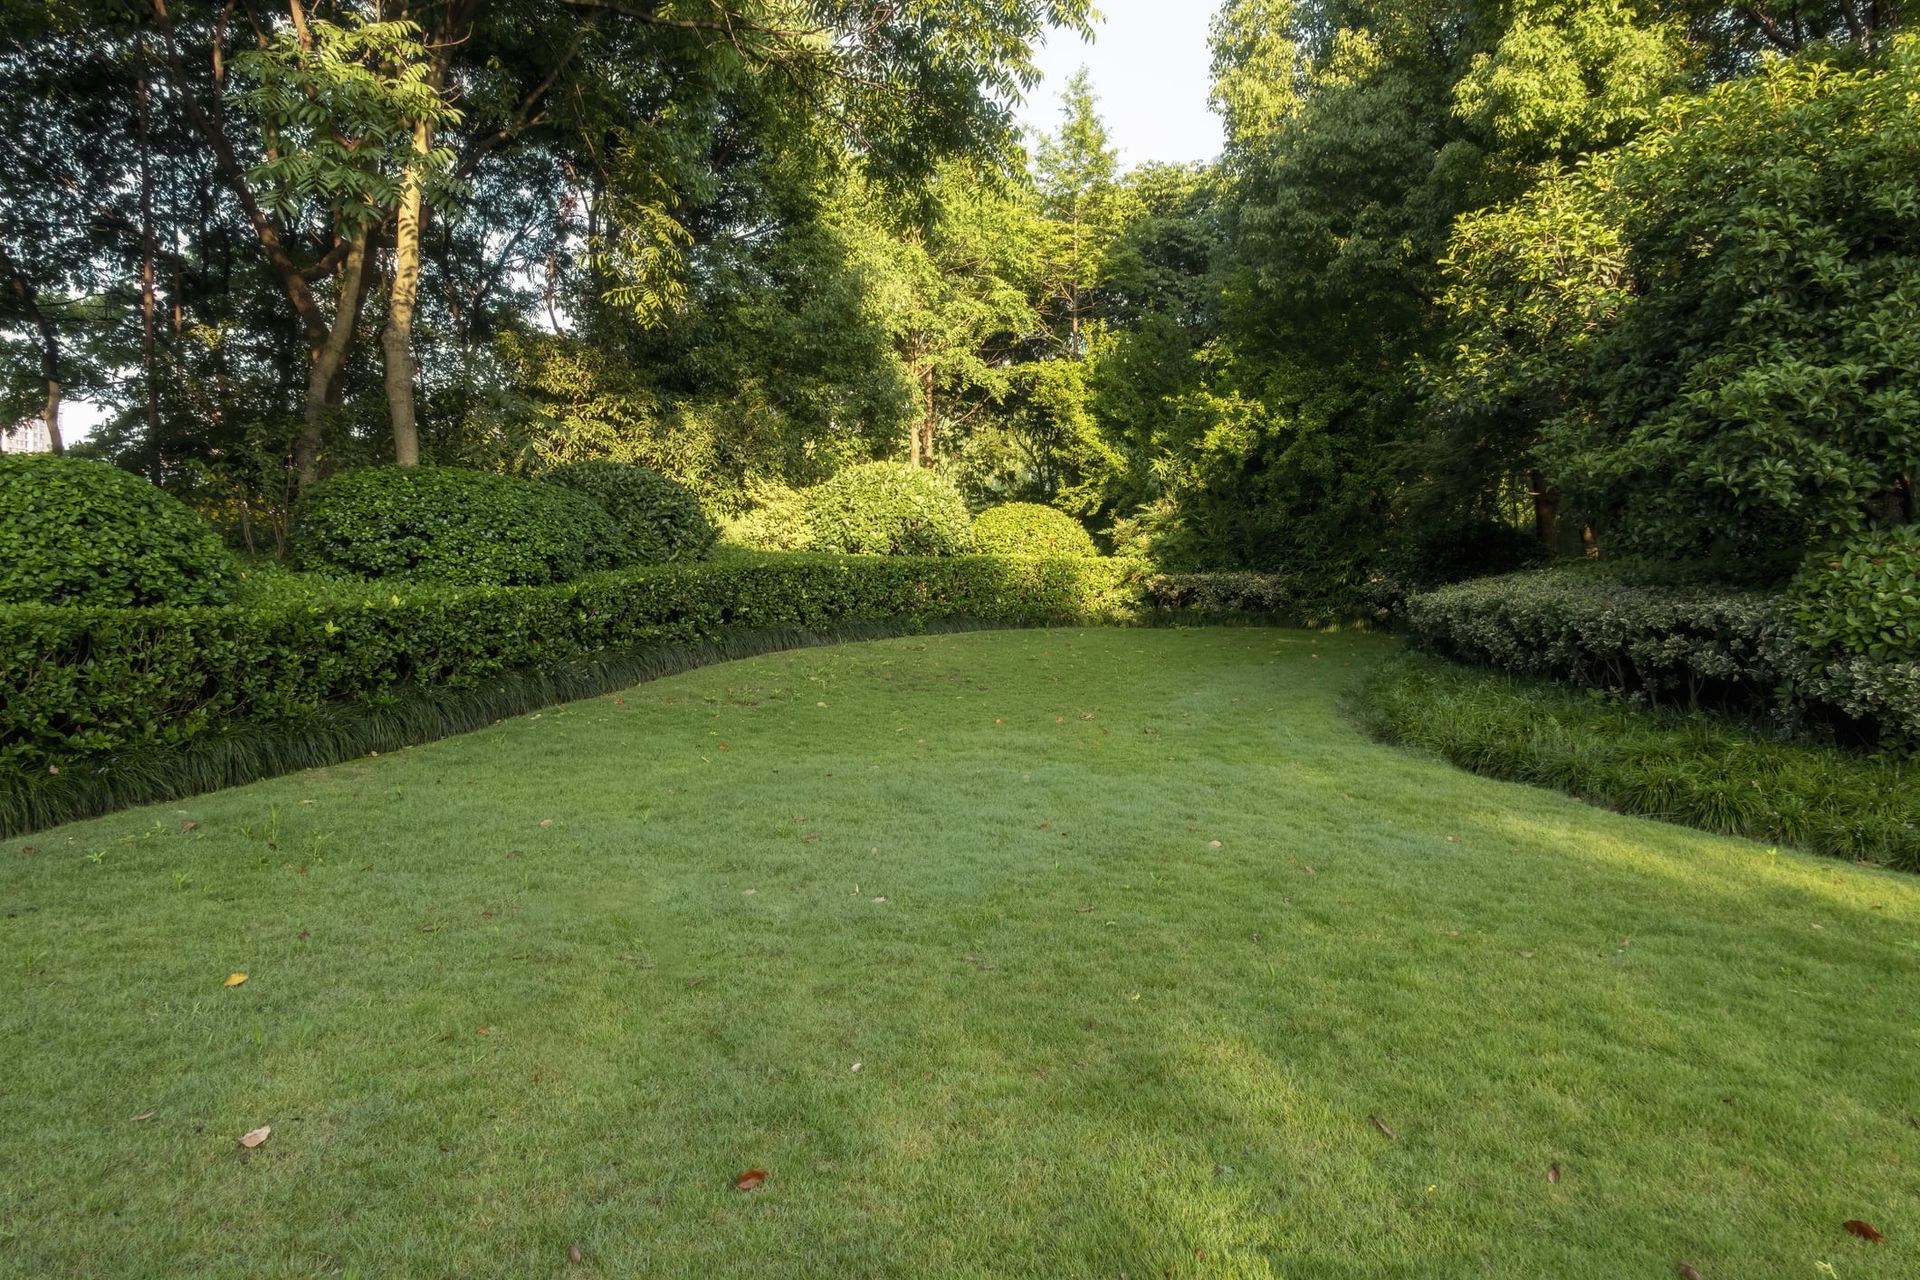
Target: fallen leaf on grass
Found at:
x=1553, y=1174
x=144, y=1115
x=1526, y=955
x=235, y=979
x=255, y=1137
x=1864, y=1230
x=1381, y=1125
x=1213, y=844
x=483, y=1031
x=1080, y=911
x=696, y=982
x=573, y=1255
x=1688, y=1273
x=749, y=1180
x=546, y=822
x=188, y=825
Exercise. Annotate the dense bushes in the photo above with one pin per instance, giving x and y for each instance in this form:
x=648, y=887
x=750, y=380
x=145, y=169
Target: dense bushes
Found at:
x=1665, y=644
x=889, y=509
x=1260, y=594
x=659, y=518
x=1455, y=552
x=1030, y=529
x=87, y=684
x=86, y=533
x=1701, y=771
x=449, y=525
x=777, y=521
x=1742, y=651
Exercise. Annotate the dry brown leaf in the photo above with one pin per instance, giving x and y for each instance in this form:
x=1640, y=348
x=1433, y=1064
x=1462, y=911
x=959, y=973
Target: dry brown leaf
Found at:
x=1213, y=844
x=188, y=824
x=1864, y=1230
x=1381, y=1125
x=1553, y=1174
x=1688, y=1273
x=254, y=1137
x=1080, y=911
x=574, y=1255
x=144, y=1115
x=235, y=979
x=749, y=1180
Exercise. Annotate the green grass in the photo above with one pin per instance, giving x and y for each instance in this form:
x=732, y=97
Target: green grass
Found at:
x=1092, y=1041
x=1703, y=770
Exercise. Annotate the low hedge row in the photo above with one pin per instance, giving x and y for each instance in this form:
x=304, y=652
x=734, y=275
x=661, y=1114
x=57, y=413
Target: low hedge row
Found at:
x=1698, y=647
x=87, y=684
x=1698, y=770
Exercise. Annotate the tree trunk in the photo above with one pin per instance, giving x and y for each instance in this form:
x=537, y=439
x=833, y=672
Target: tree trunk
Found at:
x=329, y=358
x=1546, y=510
x=397, y=341
x=29, y=299
x=150, y=376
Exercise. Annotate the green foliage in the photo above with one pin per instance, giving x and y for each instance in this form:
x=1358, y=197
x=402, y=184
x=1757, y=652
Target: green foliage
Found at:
x=451, y=525
x=889, y=509
x=1030, y=529
x=1694, y=646
x=1693, y=769
x=776, y=522
x=1717, y=318
x=1866, y=601
x=660, y=520
x=73, y=531
x=86, y=684
x=1220, y=594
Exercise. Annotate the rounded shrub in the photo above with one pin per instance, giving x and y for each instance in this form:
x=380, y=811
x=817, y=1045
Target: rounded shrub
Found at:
x=889, y=509
x=1863, y=601
x=660, y=518
x=74, y=531
x=449, y=524
x=1030, y=529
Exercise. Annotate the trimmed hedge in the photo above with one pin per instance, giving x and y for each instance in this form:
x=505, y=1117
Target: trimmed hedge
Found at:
x=1701, y=771
x=1743, y=652
x=1030, y=529
x=660, y=518
x=88, y=685
x=74, y=531
x=889, y=509
x=451, y=525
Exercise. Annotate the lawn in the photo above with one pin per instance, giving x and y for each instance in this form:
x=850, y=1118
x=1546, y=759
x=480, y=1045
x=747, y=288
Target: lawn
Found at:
x=1050, y=954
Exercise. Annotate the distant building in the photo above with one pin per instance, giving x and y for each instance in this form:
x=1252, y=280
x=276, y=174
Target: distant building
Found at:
x=27, y=436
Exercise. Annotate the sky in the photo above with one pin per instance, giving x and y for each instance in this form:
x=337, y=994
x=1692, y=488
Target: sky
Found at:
x=1149, y=64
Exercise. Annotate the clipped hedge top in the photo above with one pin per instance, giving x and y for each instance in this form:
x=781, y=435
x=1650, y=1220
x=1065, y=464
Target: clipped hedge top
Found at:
x=1865, y=601
x=78, y=532
x=889, y=509
x=1031, y=529
x=660, y=519
x=449, y=524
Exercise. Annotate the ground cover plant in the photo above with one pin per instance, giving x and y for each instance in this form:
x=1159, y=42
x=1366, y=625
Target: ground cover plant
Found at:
x=1039, y=953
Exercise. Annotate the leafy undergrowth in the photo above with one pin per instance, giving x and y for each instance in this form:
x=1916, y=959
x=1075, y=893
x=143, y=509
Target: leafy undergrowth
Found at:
x=1085, y=953
x=1703, y=771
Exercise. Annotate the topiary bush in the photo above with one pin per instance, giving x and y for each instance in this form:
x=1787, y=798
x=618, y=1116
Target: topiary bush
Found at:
x=74, y=531
x=1030, y=529
x=449, y=524
x=889, y=509
x=660, y=518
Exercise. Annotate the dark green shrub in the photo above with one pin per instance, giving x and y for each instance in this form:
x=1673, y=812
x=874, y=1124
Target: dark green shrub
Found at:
x=1697, y=646
x=1030, y=529
x=1855, y=634
x=660, y=518
x=889, y=509
x=73, y=531
x=1699, y=770
x=448, y=524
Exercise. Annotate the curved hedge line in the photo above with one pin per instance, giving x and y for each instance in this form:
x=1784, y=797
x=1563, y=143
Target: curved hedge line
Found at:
x=1739, y=651
x=74, y=531
x=91, y=686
